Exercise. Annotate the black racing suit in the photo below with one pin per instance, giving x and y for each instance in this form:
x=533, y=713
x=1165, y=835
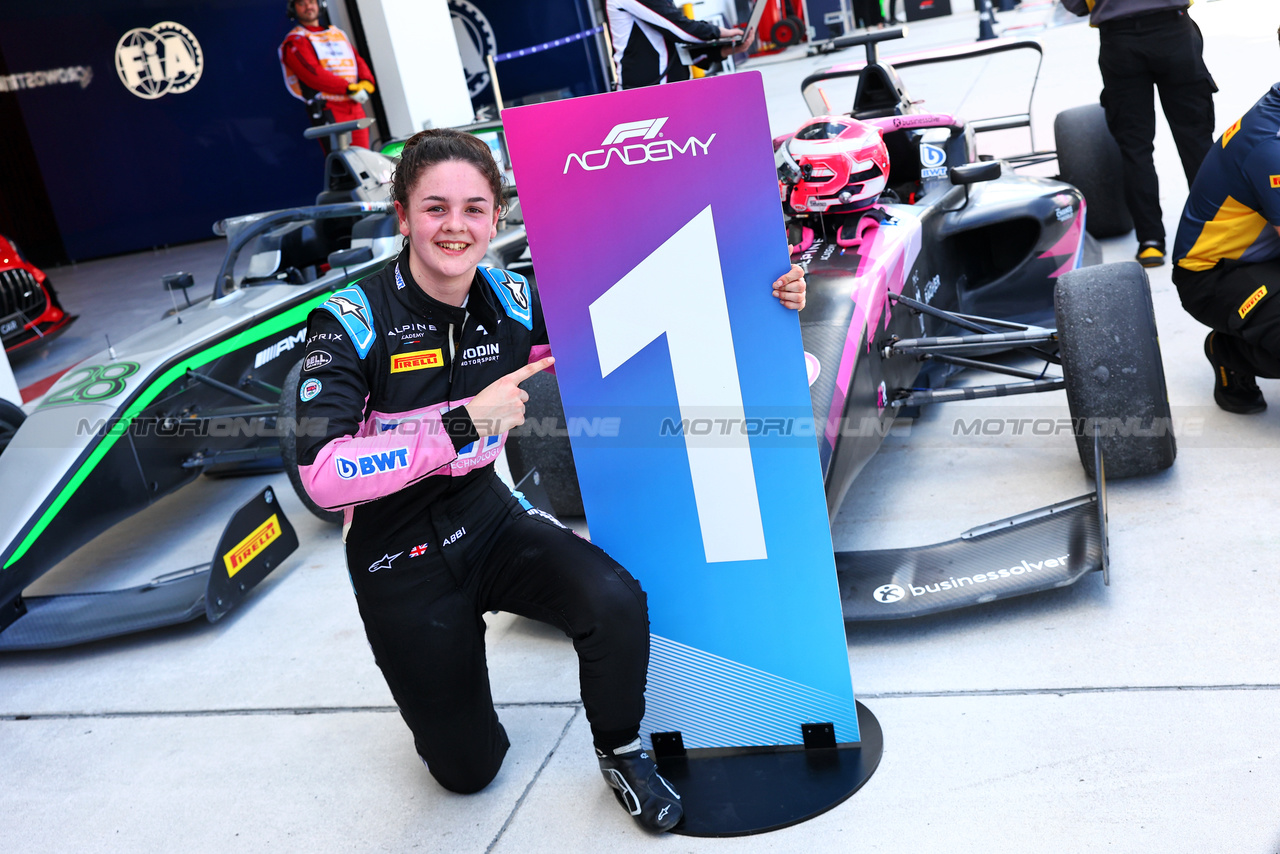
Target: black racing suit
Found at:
x=434, y=538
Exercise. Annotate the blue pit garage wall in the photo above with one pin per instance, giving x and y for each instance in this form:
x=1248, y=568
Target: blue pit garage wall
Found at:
x=125, y=172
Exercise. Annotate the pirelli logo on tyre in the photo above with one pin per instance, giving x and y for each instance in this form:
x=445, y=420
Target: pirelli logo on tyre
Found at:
x=251, y=546
x=1254, y=299
x=416, y=361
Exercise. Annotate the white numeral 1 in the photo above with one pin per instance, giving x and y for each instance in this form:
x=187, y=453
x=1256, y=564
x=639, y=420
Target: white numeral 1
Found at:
x=679, y=290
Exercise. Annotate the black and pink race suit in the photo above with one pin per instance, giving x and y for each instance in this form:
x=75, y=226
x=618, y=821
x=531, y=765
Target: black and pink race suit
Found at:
x=434, y=538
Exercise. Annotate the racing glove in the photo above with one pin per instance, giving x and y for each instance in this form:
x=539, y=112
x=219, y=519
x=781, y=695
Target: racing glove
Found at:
x=359, y=91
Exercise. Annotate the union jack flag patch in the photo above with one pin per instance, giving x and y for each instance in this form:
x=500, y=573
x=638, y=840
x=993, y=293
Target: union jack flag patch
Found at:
x=418, y=551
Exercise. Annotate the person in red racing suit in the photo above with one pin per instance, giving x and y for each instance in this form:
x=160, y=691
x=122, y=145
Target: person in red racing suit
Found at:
x=416, y=371
x=322, y=69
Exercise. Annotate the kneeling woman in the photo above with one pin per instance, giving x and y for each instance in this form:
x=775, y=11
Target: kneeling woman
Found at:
x=416, y=371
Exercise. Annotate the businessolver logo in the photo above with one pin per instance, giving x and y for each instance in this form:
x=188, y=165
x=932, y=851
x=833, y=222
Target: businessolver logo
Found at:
x=416, y=361
x=165, y=59
x=251, y=546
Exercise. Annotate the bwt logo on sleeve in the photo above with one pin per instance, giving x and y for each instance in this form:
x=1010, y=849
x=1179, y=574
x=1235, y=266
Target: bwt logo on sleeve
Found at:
x=375, y=463
x=165, y=59
x=643, y=150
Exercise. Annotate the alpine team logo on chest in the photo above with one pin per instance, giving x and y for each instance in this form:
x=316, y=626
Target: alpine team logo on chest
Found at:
x=375, y=463
x=416, y=361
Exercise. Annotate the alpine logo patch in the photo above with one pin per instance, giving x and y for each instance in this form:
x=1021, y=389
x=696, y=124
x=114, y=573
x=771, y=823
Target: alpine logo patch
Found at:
x=1254, y=298
x=374, y=463
x=513, y=292
x=416, y=361
x=351, y=307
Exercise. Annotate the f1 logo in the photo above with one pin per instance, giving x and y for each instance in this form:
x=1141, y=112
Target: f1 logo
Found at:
x=635, y=130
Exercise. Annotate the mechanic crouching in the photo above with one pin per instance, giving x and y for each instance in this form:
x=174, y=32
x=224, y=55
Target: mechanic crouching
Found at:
x=1227, y=255
x=416, y=372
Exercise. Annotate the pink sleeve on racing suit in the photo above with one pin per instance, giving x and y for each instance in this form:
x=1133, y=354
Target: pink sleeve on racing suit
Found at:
x=355, y=469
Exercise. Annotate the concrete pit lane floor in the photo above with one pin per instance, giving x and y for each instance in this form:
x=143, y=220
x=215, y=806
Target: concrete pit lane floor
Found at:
x=1134, y=718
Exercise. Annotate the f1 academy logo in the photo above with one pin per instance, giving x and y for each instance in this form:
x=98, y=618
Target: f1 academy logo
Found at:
x=647, y=146
x=165, y=59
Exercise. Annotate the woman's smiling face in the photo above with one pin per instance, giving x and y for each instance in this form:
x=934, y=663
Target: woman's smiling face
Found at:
x=450, y=218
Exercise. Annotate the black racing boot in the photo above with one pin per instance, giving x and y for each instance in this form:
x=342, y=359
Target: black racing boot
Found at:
x=639, y=787
x=1232, y=390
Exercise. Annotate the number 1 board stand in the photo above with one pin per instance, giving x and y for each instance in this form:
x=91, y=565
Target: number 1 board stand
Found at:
x=654, y=223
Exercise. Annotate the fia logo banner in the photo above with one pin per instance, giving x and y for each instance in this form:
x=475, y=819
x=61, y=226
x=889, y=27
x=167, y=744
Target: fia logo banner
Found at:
x=165, y=59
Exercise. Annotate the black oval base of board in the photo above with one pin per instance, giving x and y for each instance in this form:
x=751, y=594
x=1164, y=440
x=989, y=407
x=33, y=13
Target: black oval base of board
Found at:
x=742, y=791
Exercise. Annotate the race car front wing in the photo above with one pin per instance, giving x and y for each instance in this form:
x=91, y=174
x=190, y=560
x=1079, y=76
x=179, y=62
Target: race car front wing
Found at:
x=1053, y=546
x=255, y=541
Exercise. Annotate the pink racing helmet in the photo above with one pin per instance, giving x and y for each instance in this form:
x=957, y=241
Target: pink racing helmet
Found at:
x=833, y=164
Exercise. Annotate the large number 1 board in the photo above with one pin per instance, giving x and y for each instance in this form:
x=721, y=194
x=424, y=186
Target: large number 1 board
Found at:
x=656, y=232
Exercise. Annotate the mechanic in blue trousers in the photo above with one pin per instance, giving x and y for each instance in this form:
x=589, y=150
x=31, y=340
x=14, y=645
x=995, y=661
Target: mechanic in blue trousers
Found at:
x=416, y=373
x=1227, y=255
x=322, y=69
x=645, y=34
x=1145, y=44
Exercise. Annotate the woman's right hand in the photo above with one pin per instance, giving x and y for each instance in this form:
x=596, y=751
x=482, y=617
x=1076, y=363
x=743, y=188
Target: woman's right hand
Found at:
x=500, y=406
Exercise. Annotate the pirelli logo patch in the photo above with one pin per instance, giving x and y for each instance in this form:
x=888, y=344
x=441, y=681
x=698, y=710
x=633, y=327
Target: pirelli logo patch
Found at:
x=1275, y=182
x=252, y=545
x=1231, y=131
x=416, y=361
x=1254, y=299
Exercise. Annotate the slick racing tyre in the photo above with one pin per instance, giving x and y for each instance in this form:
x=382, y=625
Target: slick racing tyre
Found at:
x=534, y=445
x=1089, y=159
x=1111, y=364
x=286, y=422
x=11, y=418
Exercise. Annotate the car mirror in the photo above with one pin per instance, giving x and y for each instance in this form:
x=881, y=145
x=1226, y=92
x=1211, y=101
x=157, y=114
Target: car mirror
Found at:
x=974, y=173
x=351, y=257
x=177, y=281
